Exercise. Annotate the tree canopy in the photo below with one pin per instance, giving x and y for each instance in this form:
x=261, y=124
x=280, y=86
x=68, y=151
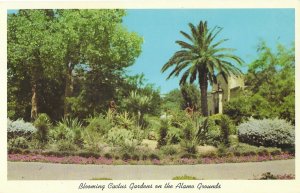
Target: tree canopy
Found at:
x=51, y=53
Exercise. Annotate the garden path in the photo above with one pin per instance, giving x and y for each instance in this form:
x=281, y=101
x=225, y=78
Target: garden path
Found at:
x=49, y=171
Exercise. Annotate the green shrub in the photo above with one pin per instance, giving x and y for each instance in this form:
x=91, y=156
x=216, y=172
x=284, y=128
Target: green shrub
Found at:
x=169, y=150
x=243, y=149
x=225, y=129
x=163, y=133
x=267, y=132
x=209, y=133
x=275, y=152
x=65, y=145
x=210, y=155
x=124, y=120
x=238, y=109
x=19, y=128
x=43, y=124
x=117, y=136
x=268, y=176
x=88, y=154
x=108, y=156
x=179, y=118
x=135, y=157
x=174, y=135
x=153, y=156
x=126, y=157
x=68, y=130
x=185, y=177
x=19, y=142
x=189, y=156
x=144, y=157
x=190, y=146
x=99, y=125
x=222, y=151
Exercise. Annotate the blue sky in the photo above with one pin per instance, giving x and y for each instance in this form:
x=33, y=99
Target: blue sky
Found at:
x=243, y=27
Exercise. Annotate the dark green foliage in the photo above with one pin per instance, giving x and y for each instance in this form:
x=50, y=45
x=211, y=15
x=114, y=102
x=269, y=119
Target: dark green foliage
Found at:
x=43, y=124
x=270, y=91
x=99, y=125
x=135, y=157
x=189, y=155
x=163, y=133
x=191, y=95
x=88, y=154
x=239, y=108
x=215, y=130
x=19, y=142
x=172, y=101
x=169, y=150
x=174, y=135
x=65, y=145
x=154, y=156
x=64, y=67
x=243, y=149
x=126, y=157
x=268, y=176
x=225, y=129
x=108, y=155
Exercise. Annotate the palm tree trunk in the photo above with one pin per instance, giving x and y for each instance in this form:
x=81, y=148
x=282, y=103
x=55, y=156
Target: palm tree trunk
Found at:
x=34, y=102
x=68, y=90
x=203, y=89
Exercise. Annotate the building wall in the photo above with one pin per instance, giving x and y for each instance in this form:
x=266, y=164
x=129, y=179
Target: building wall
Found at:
x=230, y=89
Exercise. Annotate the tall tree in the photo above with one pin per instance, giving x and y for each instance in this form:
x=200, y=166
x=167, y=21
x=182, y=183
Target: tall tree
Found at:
x=97, y=39
x=32, y=51
x=201, y=58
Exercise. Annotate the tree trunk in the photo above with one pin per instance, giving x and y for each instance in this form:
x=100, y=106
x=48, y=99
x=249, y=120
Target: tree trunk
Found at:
x=203, y=89
x=34, y=102
x=68, y=90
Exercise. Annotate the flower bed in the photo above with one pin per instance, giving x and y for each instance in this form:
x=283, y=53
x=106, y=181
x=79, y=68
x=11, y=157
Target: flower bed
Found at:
x=109, y=161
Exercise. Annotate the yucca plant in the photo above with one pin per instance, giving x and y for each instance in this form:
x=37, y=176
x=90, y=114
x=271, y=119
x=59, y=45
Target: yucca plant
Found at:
x=138, y=104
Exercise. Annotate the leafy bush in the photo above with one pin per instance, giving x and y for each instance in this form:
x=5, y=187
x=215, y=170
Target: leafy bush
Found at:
x=118, y=136
x=99, y=125
x=42, y=123
x=169, y=150
x=267, y=132
x=238, y=109
x=174, y=135
x=163, y=133
x=246, y=149
x=124, y=120
x=65, y=145
x=154, y=156
x=19, y=128
x=215, y=130
x=68, y=130
x=19, y=142
x=189, y=156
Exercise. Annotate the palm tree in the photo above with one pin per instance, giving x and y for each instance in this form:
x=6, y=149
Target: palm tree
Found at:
x=201, y=58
